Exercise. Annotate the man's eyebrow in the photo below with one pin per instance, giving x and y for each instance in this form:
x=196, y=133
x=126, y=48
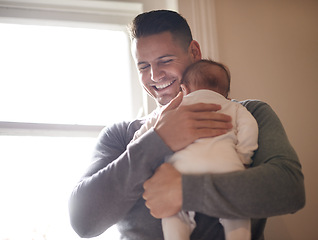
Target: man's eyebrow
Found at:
x=164, y=56
x=161, y=57
x=141, y=63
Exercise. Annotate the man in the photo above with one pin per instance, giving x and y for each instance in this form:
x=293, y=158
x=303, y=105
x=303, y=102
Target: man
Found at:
x=131, y=186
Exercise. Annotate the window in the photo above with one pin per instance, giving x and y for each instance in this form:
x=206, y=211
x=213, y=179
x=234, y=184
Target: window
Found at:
x=54, y=74
x=63, y=66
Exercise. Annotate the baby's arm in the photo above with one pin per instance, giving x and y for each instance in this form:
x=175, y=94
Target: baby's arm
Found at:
x=247, y=134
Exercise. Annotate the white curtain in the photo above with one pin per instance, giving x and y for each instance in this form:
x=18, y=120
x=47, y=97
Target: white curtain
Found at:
x=200, y=15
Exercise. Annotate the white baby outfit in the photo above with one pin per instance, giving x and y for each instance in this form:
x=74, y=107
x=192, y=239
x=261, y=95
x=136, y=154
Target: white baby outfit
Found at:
x=229, y=152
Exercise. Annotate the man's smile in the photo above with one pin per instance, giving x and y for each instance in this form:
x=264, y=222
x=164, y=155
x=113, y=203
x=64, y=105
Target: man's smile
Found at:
x=161, y=86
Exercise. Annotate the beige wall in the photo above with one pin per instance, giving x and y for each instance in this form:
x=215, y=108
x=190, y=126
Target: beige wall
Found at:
x=271, y=47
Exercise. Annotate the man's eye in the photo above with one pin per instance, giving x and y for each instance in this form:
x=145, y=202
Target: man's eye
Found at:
x=167, y=61
x=143, y=67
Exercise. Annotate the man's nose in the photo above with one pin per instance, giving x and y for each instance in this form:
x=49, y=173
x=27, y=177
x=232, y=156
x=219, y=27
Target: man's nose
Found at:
x=157, y=73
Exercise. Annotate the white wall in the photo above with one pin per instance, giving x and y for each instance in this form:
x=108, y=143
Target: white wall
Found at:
x=271, y=48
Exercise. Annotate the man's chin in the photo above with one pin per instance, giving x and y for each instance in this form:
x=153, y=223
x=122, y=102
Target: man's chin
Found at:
x=164, y=100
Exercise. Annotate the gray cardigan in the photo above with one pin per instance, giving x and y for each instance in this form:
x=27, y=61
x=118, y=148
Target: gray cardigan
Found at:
x=111, y=190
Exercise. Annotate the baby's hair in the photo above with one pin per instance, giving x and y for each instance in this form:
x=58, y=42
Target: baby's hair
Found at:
x=197, y=74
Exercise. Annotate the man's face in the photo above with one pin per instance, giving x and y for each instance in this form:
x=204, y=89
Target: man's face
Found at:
x=160, y=61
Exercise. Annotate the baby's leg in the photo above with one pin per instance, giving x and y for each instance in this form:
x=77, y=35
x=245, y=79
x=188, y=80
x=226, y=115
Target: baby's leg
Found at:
x=179, y=226
x=236, y=229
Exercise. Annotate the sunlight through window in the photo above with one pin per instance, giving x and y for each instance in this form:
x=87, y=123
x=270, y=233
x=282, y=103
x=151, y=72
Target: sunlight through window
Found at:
x=53, y=74
x=58, y=75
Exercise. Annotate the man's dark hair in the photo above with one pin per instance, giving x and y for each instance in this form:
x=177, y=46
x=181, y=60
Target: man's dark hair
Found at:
x=159, y=21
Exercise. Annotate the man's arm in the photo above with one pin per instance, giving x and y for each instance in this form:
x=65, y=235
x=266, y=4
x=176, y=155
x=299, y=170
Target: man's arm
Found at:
x=272, y=186
x=113, y=181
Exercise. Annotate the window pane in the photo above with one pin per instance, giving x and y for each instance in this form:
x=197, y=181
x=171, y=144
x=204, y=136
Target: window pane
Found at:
x=37, y=176
x=54, y=74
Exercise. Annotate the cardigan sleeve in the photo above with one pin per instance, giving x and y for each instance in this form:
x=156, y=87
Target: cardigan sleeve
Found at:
x=274, y=185
x=113, y=182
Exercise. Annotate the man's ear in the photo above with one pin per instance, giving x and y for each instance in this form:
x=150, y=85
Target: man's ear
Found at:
x=185, y=89
x=195, y=51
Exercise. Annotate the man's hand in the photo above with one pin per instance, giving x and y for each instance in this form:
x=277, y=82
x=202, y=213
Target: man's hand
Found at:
x=163, y=192
x=180, y=126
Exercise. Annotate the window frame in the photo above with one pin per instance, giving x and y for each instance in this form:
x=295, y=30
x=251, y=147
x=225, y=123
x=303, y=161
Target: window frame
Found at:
x=74, y=13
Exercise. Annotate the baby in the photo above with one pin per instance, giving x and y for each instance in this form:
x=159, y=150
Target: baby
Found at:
x=207, y=81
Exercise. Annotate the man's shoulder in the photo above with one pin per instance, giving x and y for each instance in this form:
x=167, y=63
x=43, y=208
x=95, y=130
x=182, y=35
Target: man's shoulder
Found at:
x=121, y=129
x=252, y=104
x=126, y=129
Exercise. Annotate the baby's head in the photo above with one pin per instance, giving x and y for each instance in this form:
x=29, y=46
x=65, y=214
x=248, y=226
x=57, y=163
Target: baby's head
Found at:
x=206, y=74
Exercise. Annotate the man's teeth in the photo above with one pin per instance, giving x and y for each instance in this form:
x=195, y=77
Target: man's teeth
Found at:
x=162, y=86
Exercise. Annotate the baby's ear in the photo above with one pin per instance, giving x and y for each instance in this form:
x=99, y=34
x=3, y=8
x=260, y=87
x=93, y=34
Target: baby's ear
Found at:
x=184, y=89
